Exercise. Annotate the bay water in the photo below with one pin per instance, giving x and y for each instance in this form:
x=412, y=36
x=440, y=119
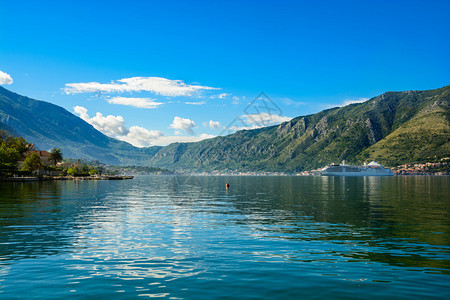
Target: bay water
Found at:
x=266, y=237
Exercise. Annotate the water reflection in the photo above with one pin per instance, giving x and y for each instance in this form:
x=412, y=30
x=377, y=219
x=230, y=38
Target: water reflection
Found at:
x=157, y=235
x=28, y=221
x=391, y=220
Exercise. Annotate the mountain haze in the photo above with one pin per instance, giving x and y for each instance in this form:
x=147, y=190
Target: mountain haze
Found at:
x=50, y=126
x=393, y=128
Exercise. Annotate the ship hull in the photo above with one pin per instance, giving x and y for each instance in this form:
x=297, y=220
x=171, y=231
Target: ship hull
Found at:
x=373, y=169
x=354, y=174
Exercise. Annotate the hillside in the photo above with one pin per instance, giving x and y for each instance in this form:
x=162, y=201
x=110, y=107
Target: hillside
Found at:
x=422, y=138
x=394, y=128
x=49, y=126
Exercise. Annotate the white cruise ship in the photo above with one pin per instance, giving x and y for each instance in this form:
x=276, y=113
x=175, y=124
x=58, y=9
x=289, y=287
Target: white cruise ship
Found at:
x=372, y=169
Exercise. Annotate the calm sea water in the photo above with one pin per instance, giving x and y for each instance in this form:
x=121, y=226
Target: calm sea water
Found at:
x=264, y=238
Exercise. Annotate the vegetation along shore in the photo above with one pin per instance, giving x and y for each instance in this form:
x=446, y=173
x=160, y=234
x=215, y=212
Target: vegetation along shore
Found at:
x=20, y=161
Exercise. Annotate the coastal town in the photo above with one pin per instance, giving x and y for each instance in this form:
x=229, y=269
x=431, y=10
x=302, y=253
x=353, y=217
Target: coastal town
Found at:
x=442, y=167
x=21, y=161
x=430, y=168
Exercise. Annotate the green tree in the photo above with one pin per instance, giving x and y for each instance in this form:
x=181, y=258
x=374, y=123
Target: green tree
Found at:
x=32, y=162
x=72, y=171
x=4, y=135
x=11, y=150
x=93, y=171
x=18, y=143
x=8, y=155
x=8, y=160
x=56, y=155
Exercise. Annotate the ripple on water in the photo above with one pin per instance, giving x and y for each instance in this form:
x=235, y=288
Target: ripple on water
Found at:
x=186, y=237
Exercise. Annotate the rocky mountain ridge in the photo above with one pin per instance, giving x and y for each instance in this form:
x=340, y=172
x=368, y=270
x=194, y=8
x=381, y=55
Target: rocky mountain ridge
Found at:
x=393, y=128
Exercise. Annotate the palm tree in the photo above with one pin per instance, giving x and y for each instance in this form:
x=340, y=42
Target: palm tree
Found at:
x=56, y=155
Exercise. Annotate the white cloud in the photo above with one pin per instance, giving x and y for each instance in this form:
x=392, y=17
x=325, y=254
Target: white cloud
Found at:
x=237, y=128
x=141, y=137
x=109, y=125
x=166, y=140
x=264, y=119
x=352, y=101
x=289, y=101
x=220, y=96
x=5, y=78
x=236, y=100
x=347, y=102
x=114, y=126
x=254, y=121
x=157, y=85
x=212, y=124
x=183, y=124
x=136, y=102
x=195, y=103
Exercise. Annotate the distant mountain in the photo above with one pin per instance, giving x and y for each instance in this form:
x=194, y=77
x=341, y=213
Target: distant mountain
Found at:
x=49, y=126
x=393, y=128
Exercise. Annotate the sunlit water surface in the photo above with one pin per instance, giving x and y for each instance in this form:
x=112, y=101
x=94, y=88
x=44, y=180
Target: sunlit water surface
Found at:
x=188, y=237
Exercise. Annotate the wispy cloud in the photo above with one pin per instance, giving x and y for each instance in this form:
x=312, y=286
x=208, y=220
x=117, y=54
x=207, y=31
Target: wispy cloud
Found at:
x=254, y=121
x=220, y=96
x=195, y=103
x=353, y=101
x=5, y=78
x=136, y=102
x=236, y=100
x=166, y=140
x=264, y=119
x=157, y=85
x=234, y=128
x=347, y=102
x=291, y=102
x=183, y=124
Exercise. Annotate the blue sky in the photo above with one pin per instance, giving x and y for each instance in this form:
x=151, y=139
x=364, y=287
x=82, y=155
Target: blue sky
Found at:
x=165, y=71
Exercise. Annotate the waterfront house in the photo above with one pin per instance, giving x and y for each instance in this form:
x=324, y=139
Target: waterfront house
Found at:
x=43, y=155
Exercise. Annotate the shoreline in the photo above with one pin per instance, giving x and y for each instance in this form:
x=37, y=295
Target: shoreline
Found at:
x=51, y=178
x=124, y=177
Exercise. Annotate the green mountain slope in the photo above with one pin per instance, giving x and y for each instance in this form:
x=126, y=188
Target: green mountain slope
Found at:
x=49, y=126
x=356, y=132
x=393, y=128
x=424, y=137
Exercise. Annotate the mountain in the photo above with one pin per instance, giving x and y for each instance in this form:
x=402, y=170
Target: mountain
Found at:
x=421, y=131
x=394, y=128
x=50, y=126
